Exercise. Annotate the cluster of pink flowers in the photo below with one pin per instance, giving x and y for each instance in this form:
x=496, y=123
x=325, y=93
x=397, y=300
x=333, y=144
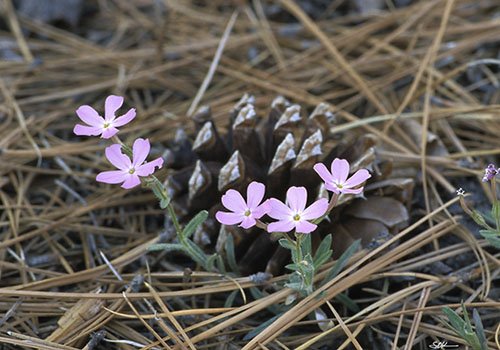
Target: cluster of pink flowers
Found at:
x=129, y=171
x=293, y=214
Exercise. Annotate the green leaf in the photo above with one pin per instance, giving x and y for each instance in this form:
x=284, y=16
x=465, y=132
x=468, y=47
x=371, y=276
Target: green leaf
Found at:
x=495, y=210
x=324, y=251
x=230, y=298
x=197, y=254
x=285, y=243
x=308, y=270
x=193, y=224
x=220, y=264
x=493, y=237
x=479, y=329
x=478, y=218
x=250, y=335
x=305, y=244
x=164, y=203
x=231, y=257
x=257, y=294
x=341, y=262
x=166, y=246
x=292, y=267
x=210, y=262
x=468, y=324
x=457, y=324
x=347, y=302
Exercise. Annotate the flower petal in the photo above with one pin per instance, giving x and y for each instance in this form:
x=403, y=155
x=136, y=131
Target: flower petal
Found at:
x=148, y=168
x=109, y=132
x=132, y=180
x=140, y=151
x=358, y=178
x=228, y=218
x=315, y=210
x=89, y=115
x=261, y=210
x=255, y=194
x=248, y=222
x=125, y=119
x=296, y=197
x=323, y=172
x=117, y=158
x=305, y=227
x=82, y=130
x=111, y=105
x=111, y=177
x=233, y=200
x=281, y=226
x=340, y=170
x=278, y=209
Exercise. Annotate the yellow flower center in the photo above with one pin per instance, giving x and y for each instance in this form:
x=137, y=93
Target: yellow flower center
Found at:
x=106, y=125
x=248, y=212
x=131, y=171
x=296, y=217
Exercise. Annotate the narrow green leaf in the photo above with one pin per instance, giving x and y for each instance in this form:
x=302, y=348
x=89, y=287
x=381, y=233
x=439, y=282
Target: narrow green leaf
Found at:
x=257, y=294
x=220, y=264
x=457, y=323
x=166, y=246
x=347, y=302
x=341, y=262
x=164, y=203
x=210, y=262
x=292, y=267
x=306, y=245
x=495, y=210
x=230, y=298
x=194, y=223
x=324, y=251
x=230, y=255
x=197, y=254
x=478, y=218
x=250, y=335
x=479, y=329
x=468, y=324
x=493, y=237
x=285, y=243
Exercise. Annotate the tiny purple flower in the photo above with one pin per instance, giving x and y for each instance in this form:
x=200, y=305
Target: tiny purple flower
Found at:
x=490, y=172
x=337, y=181
x=243, y=213
x=294, y=214
x=129, y=171
x=97, y=125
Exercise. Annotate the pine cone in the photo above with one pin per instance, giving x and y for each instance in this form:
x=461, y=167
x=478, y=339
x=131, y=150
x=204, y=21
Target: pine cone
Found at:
x=280, y=150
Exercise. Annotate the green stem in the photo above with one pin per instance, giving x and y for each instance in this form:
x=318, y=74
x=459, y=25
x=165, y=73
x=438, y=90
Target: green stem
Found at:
x=495, y=202
x=331, y=205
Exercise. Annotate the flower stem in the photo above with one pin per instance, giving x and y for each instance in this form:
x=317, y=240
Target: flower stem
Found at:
x=331, y=205
x=495, y=202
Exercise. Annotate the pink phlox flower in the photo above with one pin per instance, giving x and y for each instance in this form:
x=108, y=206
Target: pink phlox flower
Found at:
x=243, y=213
x=97, y=125
x=490, y=172
x=337, y=181
x=129, y=171
x=294, y=214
